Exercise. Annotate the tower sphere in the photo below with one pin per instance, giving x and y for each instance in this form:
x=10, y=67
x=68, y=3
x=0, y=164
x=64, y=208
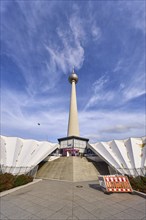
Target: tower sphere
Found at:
x=73, y=77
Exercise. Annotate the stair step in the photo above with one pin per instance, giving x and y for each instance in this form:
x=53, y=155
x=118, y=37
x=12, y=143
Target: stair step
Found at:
x=69, y=168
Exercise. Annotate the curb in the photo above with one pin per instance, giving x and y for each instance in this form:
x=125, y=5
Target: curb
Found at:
x=19, y=187
x=143, y=195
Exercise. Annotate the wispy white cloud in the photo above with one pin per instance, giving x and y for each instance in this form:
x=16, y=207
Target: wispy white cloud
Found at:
x=24, y=38
x=99, y=84
x=4, y=6
x=66, y=58
x=131, y=93
x=130, y=85
x=27, y=42
x=118, y=66
x=99, y=92
x=45, y=43
x=136, y=86
x=95, y=125
x=21, y=113
x=77, y=26
x=136, y=12
x=96, y=32
x=121, y=128
x=73, y=39
x=111, y=125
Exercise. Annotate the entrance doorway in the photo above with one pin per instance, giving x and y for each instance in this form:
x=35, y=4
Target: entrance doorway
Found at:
x=70, y=152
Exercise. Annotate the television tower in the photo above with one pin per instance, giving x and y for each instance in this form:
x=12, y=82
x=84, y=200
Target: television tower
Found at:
x=73, y=124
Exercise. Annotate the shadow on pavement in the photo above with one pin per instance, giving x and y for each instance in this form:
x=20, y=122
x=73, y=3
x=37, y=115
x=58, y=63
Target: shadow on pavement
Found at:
x=99, y=188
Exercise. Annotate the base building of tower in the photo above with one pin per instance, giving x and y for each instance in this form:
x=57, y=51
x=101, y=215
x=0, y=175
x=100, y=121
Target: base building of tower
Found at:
x=74, y=145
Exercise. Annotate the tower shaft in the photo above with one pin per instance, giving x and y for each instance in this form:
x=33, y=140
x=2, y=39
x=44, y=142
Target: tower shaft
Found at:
x=73, y=124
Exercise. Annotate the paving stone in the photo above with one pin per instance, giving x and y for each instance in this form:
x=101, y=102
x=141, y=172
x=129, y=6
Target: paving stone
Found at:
x=20, y=214
x=33, y=209
x=123, y=216
x=135, y=213
x=44, y=214
x=72, y=218
x=50, y=200
x=3, y=217
x=58, y=216
x=67, y=210
x=101, y=213
x=81, y=213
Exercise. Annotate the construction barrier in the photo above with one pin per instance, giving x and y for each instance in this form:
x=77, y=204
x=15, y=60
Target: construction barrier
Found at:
x=115, y=183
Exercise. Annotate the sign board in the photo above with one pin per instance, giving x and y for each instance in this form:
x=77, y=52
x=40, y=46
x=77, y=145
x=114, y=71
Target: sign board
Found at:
x=112, y=183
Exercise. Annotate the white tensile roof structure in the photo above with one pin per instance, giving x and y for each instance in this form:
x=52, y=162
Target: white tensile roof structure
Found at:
x=22, y=155
x=126, y=156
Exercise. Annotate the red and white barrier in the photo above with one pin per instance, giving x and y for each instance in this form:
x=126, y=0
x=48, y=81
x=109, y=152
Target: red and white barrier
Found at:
x=115, y=183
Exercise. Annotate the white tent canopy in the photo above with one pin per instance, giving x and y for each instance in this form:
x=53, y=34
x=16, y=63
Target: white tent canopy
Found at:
x=126, y=156
x=21, y=155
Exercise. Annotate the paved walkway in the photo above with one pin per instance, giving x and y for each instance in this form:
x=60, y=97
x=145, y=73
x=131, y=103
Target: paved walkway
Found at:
x=50, y=199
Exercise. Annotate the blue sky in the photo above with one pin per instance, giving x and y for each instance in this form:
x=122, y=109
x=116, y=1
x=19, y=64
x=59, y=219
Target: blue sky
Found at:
x=41, y=41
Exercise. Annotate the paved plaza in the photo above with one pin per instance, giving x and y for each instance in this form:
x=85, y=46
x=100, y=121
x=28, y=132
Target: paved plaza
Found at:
x=50, y=199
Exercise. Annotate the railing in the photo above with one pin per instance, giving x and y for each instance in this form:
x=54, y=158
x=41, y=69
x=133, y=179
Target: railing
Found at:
x=31, y=171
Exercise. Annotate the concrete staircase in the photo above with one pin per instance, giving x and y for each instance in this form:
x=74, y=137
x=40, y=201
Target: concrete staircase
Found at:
x=59, y=169
x=84, y=170
x=69, y=169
